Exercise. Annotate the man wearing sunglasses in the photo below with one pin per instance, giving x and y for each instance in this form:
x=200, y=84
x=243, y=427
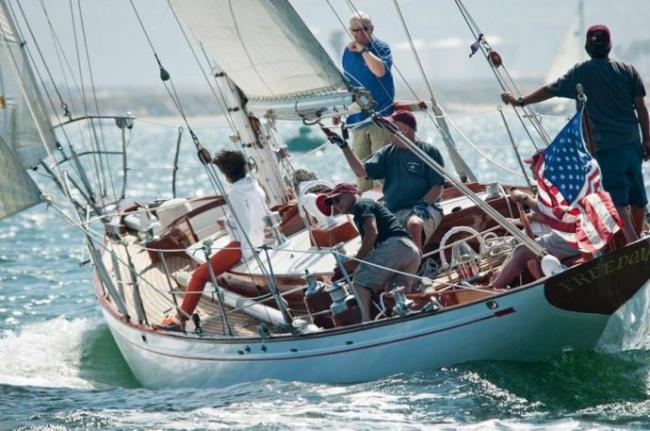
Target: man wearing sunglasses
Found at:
x=385, y=244
x=367, y=63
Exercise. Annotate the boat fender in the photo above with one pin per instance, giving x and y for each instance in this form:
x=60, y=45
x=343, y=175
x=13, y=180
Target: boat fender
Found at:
x=551, y=265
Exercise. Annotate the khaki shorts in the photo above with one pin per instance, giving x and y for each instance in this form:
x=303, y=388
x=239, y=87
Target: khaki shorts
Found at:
x=397, y=252
x=429, y=225
x=556, y=245
x=365, y=142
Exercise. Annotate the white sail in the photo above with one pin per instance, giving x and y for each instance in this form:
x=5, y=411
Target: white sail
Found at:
x=17, y=190
x=571, y=50
x=25, y=129
x=263, y=46
x=24, y=123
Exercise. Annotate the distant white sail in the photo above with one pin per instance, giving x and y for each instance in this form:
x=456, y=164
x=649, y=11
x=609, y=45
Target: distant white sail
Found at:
x=571, y=49
x=25, y=128
x=263, y=46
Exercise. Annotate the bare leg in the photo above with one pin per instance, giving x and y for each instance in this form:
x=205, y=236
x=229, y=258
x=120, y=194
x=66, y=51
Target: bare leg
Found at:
x=365, y=296
x=535, y=268
x=638, y=218
x=628, y=227
x=512, y=267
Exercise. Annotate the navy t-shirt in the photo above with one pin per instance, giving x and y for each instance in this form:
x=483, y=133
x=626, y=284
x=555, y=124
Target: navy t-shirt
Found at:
x=610, y=87
x=359, y=75
x=406, y=178
x=387, y=224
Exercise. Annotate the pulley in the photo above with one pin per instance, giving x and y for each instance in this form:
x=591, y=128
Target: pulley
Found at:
x=125, y=121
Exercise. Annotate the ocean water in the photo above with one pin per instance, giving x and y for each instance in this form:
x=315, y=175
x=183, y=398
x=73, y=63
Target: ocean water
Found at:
x=60, y=368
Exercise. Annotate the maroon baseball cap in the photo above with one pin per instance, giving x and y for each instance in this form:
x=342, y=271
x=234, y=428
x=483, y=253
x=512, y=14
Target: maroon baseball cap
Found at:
x=338, y=190
x=598, y=35
x=405, y=117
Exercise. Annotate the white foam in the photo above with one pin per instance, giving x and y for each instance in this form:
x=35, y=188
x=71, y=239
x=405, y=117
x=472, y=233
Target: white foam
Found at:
x=629, y=327
x=46, y=354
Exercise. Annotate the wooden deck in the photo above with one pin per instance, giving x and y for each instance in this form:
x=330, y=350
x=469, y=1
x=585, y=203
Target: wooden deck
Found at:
x=155, y=287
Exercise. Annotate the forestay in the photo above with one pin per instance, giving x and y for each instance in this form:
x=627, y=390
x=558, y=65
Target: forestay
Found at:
x=24, y=124
x=263, y=46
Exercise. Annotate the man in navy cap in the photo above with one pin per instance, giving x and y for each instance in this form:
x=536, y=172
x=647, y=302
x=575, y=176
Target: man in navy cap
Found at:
x=411, y=188
x=616, y=110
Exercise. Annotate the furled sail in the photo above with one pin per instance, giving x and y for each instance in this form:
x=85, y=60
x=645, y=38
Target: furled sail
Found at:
x=25, y=128
x=264, y=47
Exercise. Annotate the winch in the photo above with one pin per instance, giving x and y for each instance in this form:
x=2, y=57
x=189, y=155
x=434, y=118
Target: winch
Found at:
x=344, y=306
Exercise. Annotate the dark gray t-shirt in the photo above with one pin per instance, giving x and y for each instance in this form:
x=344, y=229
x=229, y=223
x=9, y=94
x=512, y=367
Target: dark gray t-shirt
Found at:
x=387, y=224
x=406, y=178
x=611, y=87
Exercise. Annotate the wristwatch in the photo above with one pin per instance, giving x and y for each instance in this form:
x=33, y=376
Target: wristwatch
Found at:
x=521, y=102
x=364, y=49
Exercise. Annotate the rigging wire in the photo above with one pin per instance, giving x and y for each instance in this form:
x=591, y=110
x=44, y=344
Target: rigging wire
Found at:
x=94, y=94
x=210, y=169
x=459, y=163
x=506, y=83
x=50, y=173
x=100, y=172
x=221, y=103
x=64, y=105
x=61, y=56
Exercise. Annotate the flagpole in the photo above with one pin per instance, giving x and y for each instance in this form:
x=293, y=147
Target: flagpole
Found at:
x=582, y=104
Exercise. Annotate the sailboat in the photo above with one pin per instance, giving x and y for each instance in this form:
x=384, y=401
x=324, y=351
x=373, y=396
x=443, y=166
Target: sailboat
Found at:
x=279, y=314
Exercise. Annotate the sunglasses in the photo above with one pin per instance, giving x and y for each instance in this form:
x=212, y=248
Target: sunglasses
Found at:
x=354, y=30
x=333, y=201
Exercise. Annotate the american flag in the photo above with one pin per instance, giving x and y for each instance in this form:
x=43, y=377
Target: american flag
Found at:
x=570, y=195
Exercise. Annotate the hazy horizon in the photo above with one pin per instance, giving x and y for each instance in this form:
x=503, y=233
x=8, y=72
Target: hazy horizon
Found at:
x=528, y=35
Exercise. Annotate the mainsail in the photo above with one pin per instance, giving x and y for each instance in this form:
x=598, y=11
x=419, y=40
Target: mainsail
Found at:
x=25, y=129
x=264, y=47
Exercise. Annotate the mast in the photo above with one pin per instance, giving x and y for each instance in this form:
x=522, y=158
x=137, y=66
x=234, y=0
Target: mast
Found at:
x=461, y=167
x=272, y=67
x=255, y=143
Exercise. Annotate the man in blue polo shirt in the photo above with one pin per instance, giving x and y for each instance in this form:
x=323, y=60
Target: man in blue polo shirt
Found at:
x=616, y=110
x=367, y=63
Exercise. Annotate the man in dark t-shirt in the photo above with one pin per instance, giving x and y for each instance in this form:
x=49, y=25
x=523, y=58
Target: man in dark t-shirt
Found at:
x=385, y=244
x=411, y=187
x=616, y=110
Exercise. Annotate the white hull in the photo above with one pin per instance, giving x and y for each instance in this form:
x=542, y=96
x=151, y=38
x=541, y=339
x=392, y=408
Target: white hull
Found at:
x=523, y=327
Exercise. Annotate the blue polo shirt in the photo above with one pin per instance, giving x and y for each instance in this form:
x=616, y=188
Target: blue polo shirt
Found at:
x=359, y=75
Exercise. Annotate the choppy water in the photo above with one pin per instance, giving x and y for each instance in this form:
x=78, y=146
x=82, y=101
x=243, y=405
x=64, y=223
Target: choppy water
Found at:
x=60, y=368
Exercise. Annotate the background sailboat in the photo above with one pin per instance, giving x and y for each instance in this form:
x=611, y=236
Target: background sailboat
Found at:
x=571, y=51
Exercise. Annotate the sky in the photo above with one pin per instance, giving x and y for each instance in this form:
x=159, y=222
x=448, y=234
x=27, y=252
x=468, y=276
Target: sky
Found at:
x=528, y=34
